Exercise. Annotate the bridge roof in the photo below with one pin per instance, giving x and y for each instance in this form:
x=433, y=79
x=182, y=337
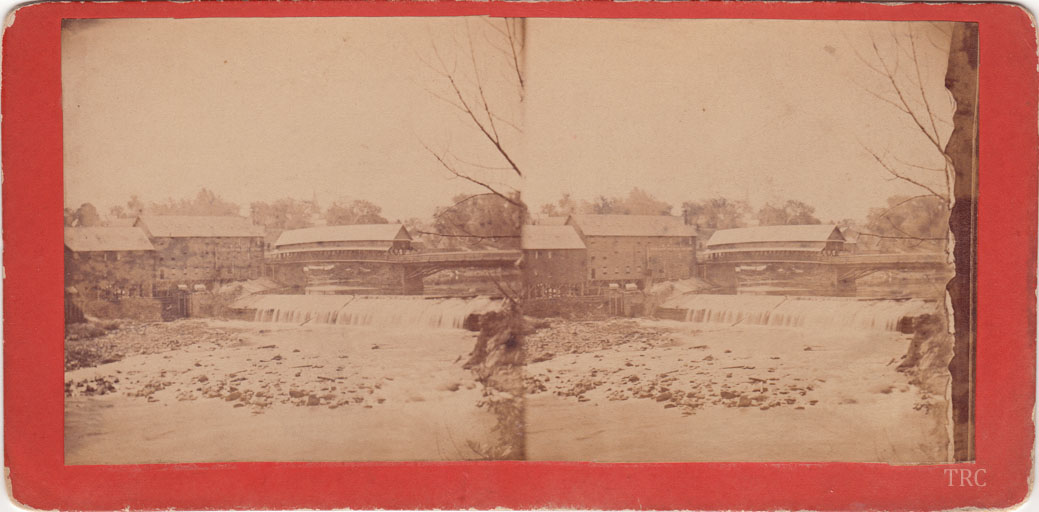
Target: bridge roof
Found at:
x=184, y=226
x=785, y=233
x=550, y=237
x=632, y=225
x=95, y=239
x=351, y=233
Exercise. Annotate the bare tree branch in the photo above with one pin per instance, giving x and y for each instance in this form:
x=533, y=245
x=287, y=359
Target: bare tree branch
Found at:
x=889, y=237
x=904, y=201
x=459, y=203
x=921, y=167
x=890, y=75
x=479, y=83
x=515, y=59
x=465, y=234
x=903, y=177
x=480, y=166
x=920, y=84
x=470, y=178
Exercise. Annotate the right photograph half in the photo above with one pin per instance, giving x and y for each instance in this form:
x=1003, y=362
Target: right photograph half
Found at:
x=749, y=240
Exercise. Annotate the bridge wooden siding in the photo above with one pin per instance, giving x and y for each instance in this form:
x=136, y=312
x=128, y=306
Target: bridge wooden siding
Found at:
x=720, y=267
x=894, y=259
x=411, y=268
x=460, y=258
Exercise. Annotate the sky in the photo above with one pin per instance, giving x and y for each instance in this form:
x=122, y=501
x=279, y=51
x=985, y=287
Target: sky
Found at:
x=258, y=109
x=762, y=111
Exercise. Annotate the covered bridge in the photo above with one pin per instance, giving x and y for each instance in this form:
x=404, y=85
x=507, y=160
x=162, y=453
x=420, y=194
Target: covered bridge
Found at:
x=776, y=241
x=335, y=242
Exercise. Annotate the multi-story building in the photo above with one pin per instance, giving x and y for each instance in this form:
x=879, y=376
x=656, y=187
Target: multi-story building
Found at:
x=108, y=262
x=554, y=261
x=203, y=250
x=636, y=249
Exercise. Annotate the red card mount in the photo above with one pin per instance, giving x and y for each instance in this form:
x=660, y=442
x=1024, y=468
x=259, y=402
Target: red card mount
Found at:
x=1006, y=281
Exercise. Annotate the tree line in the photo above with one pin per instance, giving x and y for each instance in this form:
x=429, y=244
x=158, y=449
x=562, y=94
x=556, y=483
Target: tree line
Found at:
x=470, y=222
x=902, y=224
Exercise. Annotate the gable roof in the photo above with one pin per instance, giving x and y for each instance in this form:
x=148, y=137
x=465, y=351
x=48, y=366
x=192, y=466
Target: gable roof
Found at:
x=96, y=239
x=783, y=233
x=632, y=225
x=183, y=226
x=350, y=233
x=550, y=237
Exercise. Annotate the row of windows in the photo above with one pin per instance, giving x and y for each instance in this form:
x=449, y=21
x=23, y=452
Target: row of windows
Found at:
x=762, y=253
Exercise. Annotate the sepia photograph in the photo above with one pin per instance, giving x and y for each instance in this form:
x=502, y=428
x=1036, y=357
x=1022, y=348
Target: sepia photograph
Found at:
x=740, y=244
x=292, y=239
x=545, y=239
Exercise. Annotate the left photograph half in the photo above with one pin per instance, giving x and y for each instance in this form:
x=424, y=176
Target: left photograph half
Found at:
x=292, y=239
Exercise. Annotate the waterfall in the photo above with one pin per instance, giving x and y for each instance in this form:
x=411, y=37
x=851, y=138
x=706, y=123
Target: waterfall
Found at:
x=803, y=312
x=375, y=311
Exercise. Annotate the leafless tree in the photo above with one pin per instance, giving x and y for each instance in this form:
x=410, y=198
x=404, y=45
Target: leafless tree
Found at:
x=466, y=90
x=956, y=142
x=897, y=62
x=498, y=356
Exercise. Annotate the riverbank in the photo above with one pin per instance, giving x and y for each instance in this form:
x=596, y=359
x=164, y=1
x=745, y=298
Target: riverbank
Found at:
x=644, y=390
x=218, y=391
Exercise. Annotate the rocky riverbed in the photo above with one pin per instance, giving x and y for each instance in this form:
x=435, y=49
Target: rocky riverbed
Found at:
x=591, y=384
x=627, y=359
x=206, y=374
